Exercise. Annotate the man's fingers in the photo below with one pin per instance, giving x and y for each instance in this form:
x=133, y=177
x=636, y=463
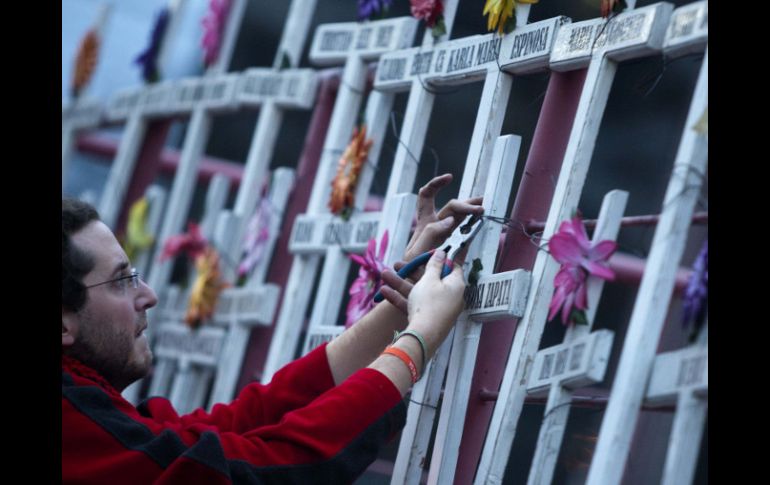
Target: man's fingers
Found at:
x=395, y=298
x=398, y=265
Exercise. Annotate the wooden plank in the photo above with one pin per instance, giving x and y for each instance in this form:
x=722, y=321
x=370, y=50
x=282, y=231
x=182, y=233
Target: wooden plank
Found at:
x=581, y=360
x=335, y=43
x=497, y=296
x=688, y=30
x=654, y=294
x=497, y=191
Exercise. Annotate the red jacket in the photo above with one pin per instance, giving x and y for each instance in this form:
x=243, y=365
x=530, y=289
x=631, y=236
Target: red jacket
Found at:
x=300, y=428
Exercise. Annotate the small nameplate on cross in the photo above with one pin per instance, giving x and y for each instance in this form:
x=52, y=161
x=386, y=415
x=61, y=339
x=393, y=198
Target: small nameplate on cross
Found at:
x=688, y=29
x=289, y=88
x=84, y=113
x=123, y=103
x=219, y=92
x=156, y=100
x=201, y=346
x=186, y=94
x=497, y=296
x=528, y=49
x=248, y=306
x=333, y=43
x=678, y=371
x=465, y=59
x=396, y=70
x=313, y=234
x=574, y=364
x=633, y=33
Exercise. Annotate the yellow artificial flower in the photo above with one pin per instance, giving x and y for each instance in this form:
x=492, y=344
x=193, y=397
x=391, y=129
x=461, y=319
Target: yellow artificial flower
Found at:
x=206, y=288
x=500, y=11
x=137, y=238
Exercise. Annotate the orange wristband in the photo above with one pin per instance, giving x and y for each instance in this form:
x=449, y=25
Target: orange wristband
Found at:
x=405, y=359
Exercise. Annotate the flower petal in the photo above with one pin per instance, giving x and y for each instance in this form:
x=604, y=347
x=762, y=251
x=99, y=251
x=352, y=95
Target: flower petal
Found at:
x=603, y=250
x=599, y=270
x=564, y=248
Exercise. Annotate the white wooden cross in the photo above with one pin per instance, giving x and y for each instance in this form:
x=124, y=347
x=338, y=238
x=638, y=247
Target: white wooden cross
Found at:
x=681, y=378
x=459, y=61
x=634, y=33
x=495, y=296
x=579, y=361
x=171, y=310
x=224, y=341
x=354, y=44
x=203, y=97
x=200, y=356
x=654, y=295
x=274, y=90
x=133, y=106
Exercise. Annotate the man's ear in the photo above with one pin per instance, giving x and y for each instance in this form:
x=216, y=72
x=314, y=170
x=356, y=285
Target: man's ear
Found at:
x=69, y=325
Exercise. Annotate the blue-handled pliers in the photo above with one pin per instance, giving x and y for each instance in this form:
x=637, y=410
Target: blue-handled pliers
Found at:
x=460, y=238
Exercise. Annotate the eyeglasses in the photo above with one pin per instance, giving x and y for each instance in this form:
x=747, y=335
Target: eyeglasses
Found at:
x=133, y=277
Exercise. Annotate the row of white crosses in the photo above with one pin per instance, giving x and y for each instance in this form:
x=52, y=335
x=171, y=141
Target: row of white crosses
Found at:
x=634, y=33
x=181, y=356
x=135, y=106
x=318, y=232
x=273, y=90
x=679, y=376
x=187, y=361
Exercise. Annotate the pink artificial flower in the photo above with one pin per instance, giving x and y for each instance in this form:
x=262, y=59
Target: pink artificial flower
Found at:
x=257, y=236
x=429, y=10
x=571, y=247
x=213, y=29
x=368, y=282
x=193, y=243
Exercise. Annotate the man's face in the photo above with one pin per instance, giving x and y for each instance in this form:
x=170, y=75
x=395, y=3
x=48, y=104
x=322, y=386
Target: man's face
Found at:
x=107, y=334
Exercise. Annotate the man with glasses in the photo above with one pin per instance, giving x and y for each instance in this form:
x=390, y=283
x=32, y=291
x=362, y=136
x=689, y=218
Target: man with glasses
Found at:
x=322, y=418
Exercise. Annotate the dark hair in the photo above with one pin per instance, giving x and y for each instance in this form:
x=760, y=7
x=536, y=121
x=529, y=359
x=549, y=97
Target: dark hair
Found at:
x=75, y=263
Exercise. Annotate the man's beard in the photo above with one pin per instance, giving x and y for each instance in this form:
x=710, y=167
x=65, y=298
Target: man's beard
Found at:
x=109, y=352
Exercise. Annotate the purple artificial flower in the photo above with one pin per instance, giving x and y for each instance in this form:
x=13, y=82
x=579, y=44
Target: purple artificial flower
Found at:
x=257, y=236
x=697, y=289
x=571, y=247
x=367, y=8
x=368, y=282
x=149, y=58
x=213, y=28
